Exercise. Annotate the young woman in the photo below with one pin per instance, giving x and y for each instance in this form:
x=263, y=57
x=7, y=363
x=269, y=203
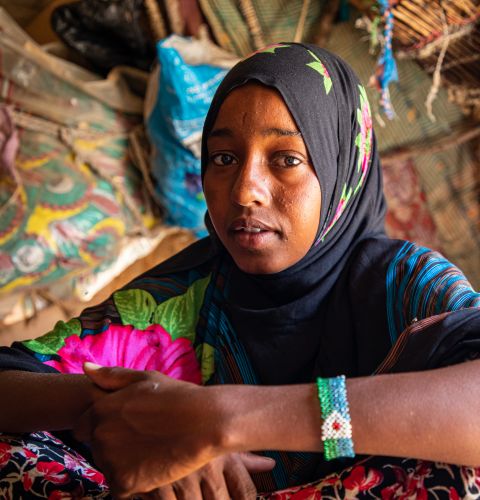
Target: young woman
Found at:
x=296, y=287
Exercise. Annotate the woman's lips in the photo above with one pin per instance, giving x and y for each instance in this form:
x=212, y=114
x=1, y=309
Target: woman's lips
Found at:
x=253, y=240
x=251, y=233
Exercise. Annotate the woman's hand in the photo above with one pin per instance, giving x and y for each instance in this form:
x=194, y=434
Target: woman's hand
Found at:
x=224, y=477
x=152, y=430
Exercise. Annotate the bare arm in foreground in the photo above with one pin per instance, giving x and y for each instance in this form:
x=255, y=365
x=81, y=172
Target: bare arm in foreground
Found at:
x=394, y=415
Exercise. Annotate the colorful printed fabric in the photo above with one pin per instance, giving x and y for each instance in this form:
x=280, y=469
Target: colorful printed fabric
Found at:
x=178, y=323
x=386, y=479
x=69, y=191
x=39, y=465
x=420, y=284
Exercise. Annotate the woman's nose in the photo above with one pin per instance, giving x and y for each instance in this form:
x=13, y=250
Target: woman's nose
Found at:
x=251, y=186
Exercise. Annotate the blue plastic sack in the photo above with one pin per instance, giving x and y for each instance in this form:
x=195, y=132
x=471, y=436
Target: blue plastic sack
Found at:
x=174, y=126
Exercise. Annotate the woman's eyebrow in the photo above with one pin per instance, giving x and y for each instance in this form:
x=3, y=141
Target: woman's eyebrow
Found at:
x=226, y=132
x=221, y=132
x=281, y=132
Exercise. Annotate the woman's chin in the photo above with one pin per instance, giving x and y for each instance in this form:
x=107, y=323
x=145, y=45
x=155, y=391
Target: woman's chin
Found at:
x=258, y=264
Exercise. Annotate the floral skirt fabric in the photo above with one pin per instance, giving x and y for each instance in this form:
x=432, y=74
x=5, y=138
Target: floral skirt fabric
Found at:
x=39, y=465
x=391, y=478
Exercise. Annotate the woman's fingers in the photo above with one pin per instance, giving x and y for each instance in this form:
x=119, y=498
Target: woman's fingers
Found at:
x=188, y=488
x=256, y=463
x=112, y=378
x=214, y=486
x=239, y=483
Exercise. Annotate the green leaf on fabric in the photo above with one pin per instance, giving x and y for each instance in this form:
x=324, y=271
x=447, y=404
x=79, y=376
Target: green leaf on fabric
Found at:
x=135, y=307
x=319, y=67
x=358, y=140
x=363, y=95
x=206, y=356
x=179, y=315
x=271, y=49
x=54, y=340
x=327, y=82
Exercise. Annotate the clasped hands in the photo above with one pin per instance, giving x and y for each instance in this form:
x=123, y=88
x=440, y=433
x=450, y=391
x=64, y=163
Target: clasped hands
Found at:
x=160, y=438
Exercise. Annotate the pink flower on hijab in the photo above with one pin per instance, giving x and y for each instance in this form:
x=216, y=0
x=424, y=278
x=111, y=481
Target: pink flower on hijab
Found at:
x=125, y=346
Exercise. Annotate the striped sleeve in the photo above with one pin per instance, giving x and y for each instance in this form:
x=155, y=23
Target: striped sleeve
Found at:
x=422, y=283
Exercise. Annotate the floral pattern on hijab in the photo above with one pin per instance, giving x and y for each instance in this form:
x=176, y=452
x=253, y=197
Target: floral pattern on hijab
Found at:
x=363, y=141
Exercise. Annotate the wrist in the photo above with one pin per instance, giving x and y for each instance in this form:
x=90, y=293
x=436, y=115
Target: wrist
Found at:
x=269, y=417
x=225, y=406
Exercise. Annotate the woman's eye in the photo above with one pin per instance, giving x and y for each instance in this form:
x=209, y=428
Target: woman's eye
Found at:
x=287, y=161
x=223, y=159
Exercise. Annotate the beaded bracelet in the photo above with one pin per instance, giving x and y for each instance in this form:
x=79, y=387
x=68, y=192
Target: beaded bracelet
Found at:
x=336, y=427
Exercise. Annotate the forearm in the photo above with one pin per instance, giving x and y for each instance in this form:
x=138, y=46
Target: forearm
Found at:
x=39, y=401
x=431, y=415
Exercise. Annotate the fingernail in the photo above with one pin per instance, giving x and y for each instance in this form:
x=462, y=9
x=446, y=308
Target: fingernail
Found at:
x=91, y=366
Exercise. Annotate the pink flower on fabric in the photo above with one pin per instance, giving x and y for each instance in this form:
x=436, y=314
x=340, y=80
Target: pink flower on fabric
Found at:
x=27, y=480
x=361, y=480
x=53, y=471
x=125, y=346
x=5, y=454
x=366, y=137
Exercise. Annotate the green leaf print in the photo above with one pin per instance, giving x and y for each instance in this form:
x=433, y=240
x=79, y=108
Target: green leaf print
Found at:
x=135, y=307
x=327, y=83
x=179, y=315
x=318, y=66
x=206, y=354
x=54, y=340
x=363, y=96
x=270, y=49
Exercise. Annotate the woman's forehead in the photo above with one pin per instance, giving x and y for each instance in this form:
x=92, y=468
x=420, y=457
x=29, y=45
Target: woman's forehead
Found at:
x=255, y=106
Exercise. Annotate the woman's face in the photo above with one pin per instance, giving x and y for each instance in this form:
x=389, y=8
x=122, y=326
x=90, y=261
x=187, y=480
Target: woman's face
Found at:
x=262, y=193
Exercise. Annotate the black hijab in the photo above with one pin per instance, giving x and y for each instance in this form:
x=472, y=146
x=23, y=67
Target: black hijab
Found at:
x=331, y=110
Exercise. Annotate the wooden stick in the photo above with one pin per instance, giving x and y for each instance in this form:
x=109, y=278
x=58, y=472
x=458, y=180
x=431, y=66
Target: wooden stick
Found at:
x=156, y=20
x=177, y=23
x=325, y=24
x=301, y=22
x=253, y=23
x=400, y=14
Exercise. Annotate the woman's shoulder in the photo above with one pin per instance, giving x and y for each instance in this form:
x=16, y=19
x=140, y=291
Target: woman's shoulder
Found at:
x=178, y=283
x=155, y=313
x=400, y=259
x=416, y=281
